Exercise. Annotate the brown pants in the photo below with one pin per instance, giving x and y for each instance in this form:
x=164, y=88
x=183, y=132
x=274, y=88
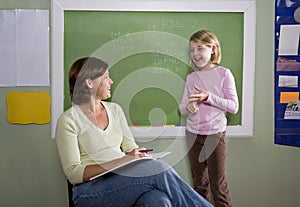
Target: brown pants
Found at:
x=207, y=155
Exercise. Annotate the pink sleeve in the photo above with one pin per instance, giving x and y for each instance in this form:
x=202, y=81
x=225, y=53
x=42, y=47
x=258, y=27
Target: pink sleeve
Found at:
x=230, y=101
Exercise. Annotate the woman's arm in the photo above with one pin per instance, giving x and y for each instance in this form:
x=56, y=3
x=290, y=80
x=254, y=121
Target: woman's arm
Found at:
x=93, y=170
x=68, y=149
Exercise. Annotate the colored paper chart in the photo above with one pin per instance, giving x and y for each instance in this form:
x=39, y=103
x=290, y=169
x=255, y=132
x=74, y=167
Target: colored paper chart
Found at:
x=28, y=107
x=287, y=72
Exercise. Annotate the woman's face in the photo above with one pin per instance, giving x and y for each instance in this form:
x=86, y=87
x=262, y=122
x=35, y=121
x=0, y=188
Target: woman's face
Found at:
x=103, y=82
x=200, y=54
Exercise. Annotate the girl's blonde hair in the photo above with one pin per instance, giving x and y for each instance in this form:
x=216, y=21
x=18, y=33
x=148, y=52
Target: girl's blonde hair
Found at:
x=208, y=38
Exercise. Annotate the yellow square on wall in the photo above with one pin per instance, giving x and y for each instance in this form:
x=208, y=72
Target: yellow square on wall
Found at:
x=28, y=107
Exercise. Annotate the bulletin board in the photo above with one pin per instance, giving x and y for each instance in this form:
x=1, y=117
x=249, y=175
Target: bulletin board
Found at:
x=287, y=72
x=147, y=52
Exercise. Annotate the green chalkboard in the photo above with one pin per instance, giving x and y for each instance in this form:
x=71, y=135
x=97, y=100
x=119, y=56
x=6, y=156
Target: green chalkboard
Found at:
x=148, y=57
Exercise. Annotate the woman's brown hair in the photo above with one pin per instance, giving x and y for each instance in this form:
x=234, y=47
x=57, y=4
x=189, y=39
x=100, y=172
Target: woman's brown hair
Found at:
x=81, y=70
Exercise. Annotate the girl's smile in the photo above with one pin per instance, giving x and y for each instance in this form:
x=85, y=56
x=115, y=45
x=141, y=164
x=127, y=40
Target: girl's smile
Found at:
x=201, y=55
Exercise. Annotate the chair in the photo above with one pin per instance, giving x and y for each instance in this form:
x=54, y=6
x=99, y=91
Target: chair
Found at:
x=70, y=193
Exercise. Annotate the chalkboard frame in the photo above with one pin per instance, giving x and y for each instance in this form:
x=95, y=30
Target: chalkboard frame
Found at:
x=248, y=7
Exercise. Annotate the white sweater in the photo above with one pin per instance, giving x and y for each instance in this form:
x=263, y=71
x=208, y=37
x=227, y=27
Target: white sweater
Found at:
x=81, y=143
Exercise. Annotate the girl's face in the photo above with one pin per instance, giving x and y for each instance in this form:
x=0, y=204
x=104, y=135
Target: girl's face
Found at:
x=102, y=86
x=200, y=54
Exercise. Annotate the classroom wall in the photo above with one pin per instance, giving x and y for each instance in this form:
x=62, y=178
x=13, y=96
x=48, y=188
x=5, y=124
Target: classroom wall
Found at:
x=30, y=171
x=260, y=173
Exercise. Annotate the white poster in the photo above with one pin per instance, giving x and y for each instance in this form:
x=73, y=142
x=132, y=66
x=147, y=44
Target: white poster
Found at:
x=24, y=48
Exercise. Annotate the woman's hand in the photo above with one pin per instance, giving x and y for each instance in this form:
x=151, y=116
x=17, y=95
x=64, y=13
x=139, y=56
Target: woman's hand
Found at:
x=92, y=170
x=137, y=154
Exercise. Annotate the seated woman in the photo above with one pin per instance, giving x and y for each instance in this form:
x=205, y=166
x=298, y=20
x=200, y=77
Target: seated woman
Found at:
x=92, y=137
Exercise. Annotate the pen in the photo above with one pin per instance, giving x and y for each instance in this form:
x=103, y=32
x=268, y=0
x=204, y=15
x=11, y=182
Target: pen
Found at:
x=146, y=150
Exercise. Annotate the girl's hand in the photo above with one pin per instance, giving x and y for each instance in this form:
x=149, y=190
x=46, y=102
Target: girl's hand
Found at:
x=192, y=107
x=199, y=96
x=137, y=154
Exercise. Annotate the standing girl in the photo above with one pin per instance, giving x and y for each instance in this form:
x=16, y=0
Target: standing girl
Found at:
x=209, y=93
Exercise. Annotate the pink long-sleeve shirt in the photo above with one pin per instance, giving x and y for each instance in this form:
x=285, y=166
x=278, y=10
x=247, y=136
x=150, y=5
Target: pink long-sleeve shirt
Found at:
x=211, y=116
